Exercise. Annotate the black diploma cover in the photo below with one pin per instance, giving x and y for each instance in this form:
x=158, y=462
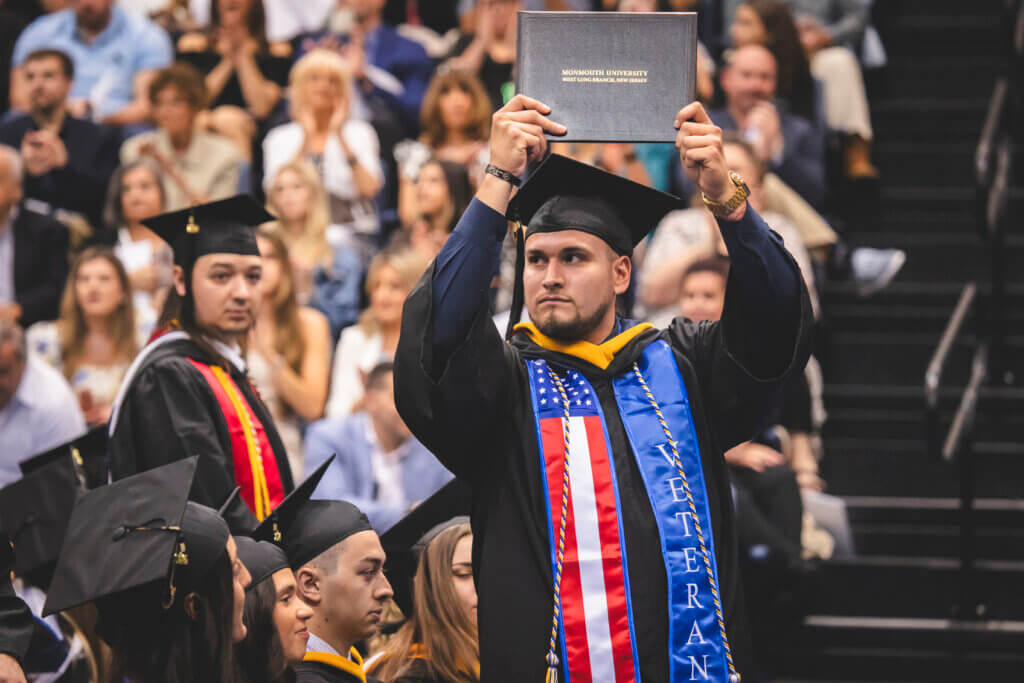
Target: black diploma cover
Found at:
x=609, y=76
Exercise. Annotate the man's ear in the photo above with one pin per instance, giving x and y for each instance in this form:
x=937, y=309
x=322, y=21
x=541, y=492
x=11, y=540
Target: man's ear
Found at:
x=307, y=585
x=178, y=274
x=622, y=269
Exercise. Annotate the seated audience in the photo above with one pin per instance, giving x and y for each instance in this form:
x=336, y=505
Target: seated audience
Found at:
x=245, y=74
x=390, y=72
x=443, y=192
x=38, y=410
x=379, y=465
x=438, y=641
x=197, y=166
x=793, y=148
x=289, y=350
x=136, y=193
x=343, y=149
x=33, y=252
x=489, y=49
x=843, y=97
x=285, y=19
x=326, y=270
x=391, y=277
x=114, y=54
x=95, y=339
x=275, y=618
x=68, y=160
x=455, y=122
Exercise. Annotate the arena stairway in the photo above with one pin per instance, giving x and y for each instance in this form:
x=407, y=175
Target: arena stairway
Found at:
x=893, y=612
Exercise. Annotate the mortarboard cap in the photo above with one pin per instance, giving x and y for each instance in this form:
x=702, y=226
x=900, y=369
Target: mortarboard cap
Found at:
x=225, y=226
x=261, y=558
x=405, y=541
x=306, y=528
x=564, y=194
x=88, y=453
x=137, y=531
x=34, y=514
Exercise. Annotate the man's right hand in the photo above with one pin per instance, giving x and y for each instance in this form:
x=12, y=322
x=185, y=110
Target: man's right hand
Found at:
x=517, y=134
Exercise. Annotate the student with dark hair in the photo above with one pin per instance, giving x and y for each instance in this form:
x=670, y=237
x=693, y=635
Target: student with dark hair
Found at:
x=68, y=160
x=188, y=391
x=167, y=583
x=197, y=166
x=275, y=618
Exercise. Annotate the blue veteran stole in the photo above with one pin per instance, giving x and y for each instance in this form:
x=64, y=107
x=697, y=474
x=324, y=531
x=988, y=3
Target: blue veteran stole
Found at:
x=592, y=638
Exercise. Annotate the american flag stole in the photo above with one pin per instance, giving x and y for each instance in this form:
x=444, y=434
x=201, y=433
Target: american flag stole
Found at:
x=597, y=642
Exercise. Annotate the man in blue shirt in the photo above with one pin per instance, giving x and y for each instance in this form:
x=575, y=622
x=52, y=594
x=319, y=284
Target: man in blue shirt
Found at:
x=379, y=466
x=114, y=55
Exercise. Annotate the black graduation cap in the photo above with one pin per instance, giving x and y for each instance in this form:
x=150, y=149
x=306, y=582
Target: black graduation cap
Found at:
x=405, y=541
x=565, y=194
x=138, y=531
x=306, y=528
x=225, y=226
x=34, y=514
x=261, y=558
x=88, y=454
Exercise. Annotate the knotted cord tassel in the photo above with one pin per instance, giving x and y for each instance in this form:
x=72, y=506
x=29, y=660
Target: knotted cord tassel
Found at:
x=552, y=676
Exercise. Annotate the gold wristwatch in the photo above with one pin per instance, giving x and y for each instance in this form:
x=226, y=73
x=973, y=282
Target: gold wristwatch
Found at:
x=724, y=209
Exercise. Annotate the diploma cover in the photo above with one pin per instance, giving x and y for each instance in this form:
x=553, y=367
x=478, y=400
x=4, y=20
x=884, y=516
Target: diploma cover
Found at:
x=609, y=76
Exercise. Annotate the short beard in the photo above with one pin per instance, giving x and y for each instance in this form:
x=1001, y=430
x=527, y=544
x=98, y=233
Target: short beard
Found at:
x=577, y=329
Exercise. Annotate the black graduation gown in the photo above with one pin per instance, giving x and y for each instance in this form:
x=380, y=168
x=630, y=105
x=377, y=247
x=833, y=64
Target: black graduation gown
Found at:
x=16, y=621
x=320, y=672
x=170, y=412
x=475, y=414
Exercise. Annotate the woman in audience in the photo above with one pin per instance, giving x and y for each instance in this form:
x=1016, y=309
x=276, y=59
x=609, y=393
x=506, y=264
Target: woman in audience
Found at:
x=275, y=618
x=288, y=353
x=438, y=643
x=326, y=270
x=489, y=49
x=94, y=340
x=245, y=75
x=344, y=150
x=136, y=193
x=391, y=277
x=197, y=166
x=443, y=192
x=456, y=122
x=843, y=96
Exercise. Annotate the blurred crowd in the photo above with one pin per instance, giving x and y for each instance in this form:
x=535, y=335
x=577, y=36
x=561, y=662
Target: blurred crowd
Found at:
x=363, y=125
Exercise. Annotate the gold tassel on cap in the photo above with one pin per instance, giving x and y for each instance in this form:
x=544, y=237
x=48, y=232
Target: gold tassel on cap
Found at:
x=192, y=227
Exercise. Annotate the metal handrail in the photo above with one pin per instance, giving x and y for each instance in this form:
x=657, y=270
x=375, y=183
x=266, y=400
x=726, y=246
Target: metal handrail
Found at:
x=990, y=133
x=999, y=190
x=937, y=364
x=962, y=426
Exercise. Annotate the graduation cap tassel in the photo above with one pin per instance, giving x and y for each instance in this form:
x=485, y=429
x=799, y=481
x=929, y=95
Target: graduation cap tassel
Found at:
x=517, y=288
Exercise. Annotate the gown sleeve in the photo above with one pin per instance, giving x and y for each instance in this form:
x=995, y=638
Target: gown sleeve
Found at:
x=455, y=378
x=171, y=415
x=763, y=337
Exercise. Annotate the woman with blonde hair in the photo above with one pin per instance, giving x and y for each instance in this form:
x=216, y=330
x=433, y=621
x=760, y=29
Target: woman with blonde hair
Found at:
x=438, y=643
x=326, y=272
x=392, y=275
x=95, y=339
x=456, y=122
x=288, y=349
x=345, y=151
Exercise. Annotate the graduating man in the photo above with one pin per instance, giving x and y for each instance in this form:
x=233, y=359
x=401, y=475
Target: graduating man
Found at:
x=604, y=538
x=339, y=572
x=187, y=392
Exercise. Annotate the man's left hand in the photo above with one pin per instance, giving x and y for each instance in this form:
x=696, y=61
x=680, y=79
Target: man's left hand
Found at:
x=700, y=149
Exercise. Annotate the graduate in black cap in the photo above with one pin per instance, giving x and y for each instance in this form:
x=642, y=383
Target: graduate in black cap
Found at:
x=276, y=620
x=432, y=574
x=187, y=392
x=339, y=572
x=163, y=573
x=604, y=538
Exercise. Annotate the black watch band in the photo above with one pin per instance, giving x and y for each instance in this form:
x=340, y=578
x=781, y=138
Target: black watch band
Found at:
x=504, y=175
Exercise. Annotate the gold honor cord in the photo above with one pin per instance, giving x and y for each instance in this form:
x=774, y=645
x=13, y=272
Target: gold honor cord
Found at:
x=734, y=677
x=261, y=493
x=552, y=675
